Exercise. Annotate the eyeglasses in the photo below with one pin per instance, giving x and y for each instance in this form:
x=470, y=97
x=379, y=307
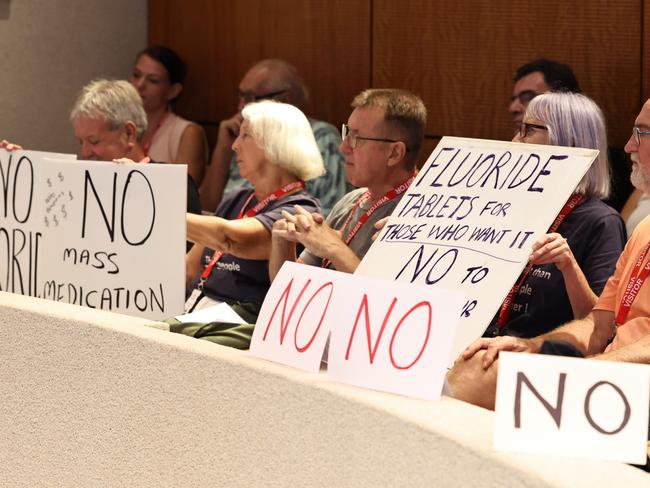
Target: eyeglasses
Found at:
x=353, y=137
x=250, y=97
x=524, y=96
x=638, y=133
x=525, y=127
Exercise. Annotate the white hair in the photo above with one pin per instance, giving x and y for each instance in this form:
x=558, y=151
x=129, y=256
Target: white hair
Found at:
x=116, y=101
x=574, y=120
x=284, y=134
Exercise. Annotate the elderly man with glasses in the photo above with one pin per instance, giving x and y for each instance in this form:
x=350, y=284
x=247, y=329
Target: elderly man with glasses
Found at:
x=273, y=79
x=381, y=142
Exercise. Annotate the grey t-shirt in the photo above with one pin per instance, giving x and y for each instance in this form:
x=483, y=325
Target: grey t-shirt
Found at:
x=361, y=242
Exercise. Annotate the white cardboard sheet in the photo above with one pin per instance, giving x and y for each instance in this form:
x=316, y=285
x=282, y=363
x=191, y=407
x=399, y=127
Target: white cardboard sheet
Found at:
x=564, y=406
x=469, y=220
x=102, y=235
x=388, y=336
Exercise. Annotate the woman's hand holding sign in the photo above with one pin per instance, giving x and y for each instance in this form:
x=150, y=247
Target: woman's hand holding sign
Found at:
x=552, y=248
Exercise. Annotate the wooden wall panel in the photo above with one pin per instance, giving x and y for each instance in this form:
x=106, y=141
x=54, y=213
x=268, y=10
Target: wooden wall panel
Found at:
x=461, y=56
x=428, y=146
x=645, y=51
x=188, y=28
x=328, y=40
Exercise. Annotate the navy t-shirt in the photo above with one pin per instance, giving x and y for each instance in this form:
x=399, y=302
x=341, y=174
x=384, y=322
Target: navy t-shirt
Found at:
x=236, y=279
x=596, y=235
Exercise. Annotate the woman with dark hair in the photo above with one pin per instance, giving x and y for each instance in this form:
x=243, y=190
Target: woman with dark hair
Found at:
x=158, y=75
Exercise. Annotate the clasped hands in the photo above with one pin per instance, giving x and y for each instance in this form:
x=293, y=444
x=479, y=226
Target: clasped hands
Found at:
x=493, y=345
x=309, y=229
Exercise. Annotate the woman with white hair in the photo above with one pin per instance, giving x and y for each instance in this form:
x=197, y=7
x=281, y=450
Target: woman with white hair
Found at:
x=276, y=151
x=570, y=265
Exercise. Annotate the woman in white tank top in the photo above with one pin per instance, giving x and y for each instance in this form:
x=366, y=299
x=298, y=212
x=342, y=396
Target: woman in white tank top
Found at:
x=158, y=75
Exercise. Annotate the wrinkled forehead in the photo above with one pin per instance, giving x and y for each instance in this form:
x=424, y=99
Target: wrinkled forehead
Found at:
x=368, y=119
x=643, y=119
x=531, y=82
x=533, y=120
x=257, y=80
x=90, y=123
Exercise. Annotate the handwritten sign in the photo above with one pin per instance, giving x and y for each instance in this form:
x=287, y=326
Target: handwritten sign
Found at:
x=469, y=220
x=93, y=233
x=572, y=407
x=386, y=336
x=296, y=316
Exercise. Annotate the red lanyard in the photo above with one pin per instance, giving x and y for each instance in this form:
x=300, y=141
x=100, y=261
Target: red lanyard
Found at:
x=292, y=187
x=637, y=278
x=504, y=314
x=147, y=145
x=391, y=195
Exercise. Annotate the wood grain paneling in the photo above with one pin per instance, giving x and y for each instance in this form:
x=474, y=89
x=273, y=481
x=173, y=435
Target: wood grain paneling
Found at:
x=328, y=41
x=189, y=28
x=461, y=56
x=428, y=146
x=645, y=52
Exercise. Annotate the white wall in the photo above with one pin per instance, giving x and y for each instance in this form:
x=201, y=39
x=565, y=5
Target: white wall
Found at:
x=92, y=398
x=48, y=50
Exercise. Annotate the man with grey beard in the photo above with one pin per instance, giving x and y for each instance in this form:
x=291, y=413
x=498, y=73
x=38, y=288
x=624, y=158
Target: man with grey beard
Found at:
x=638, y=205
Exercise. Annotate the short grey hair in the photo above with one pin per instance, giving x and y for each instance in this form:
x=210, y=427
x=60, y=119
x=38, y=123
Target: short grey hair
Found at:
x=116, y=101
x=574, y=120
x=404, y=112
x=284, y=134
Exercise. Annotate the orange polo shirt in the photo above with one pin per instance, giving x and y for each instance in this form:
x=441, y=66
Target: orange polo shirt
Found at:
x=638, y=320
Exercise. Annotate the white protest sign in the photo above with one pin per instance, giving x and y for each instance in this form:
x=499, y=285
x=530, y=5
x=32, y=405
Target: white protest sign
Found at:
x=394, y=337
x=469, y=220
x=102, y=235
x=572, y=407
x=296, y=316
x=384, y=335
